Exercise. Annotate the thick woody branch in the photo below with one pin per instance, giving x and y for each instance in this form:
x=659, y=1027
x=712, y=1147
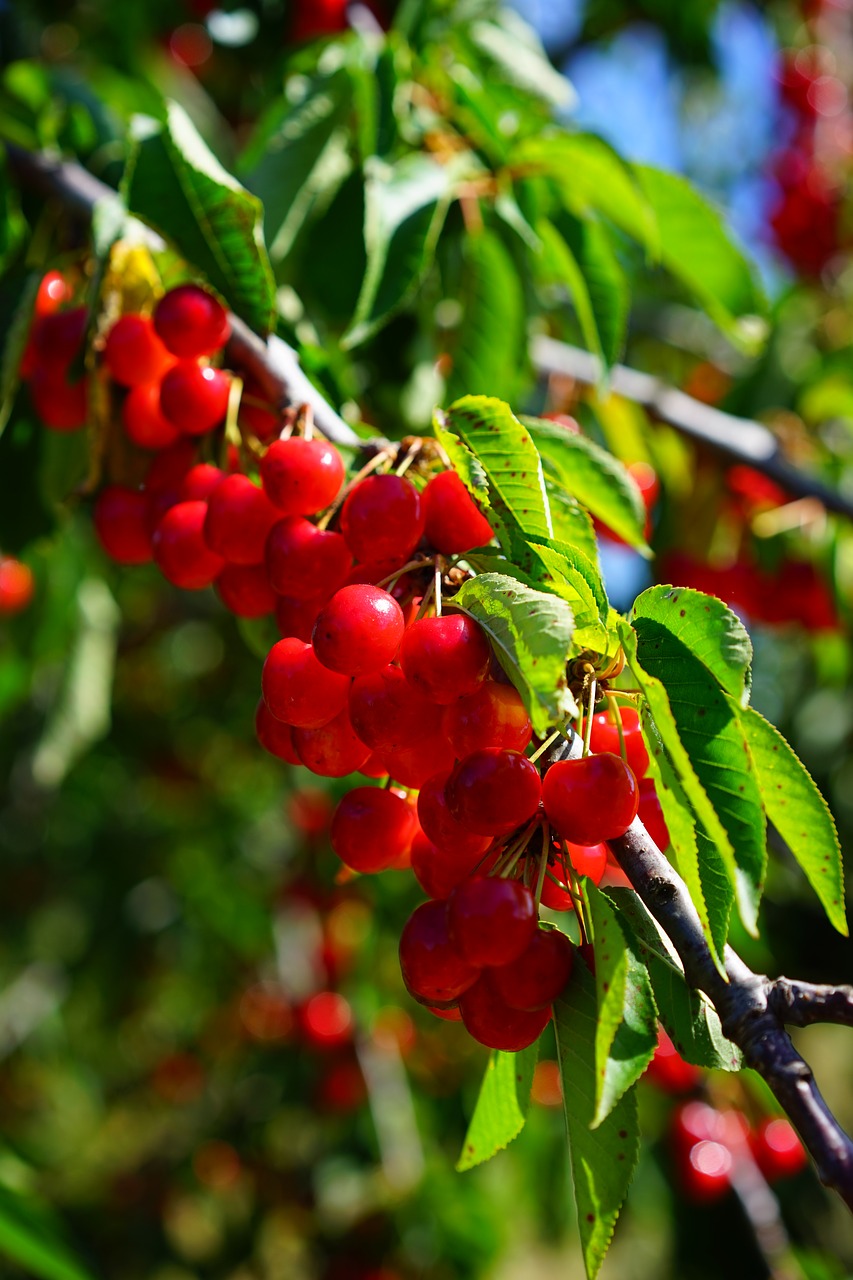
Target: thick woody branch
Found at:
x=800, y=1004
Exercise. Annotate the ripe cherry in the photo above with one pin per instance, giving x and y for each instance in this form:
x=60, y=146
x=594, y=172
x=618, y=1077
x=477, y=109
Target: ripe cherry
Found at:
x=372, y=828
x=492, y=792
x=605, y=737
x=592, y=799
x=382, y=519
x=180, y=549
x=492, y=716
x=61, y=405
x=298, y=689
x=446, y=657
x=190, y=322
x=536, y=977
x=588, y=860
x=257, y=415
x=778, y=1151
x=413, y=766
x=706, y=1172
x=143, y=419
x=359, y=630
x=389, y=714
x=669, y=1071
x=239, y=519
x=53, y=291
x=133, y=353
x=17, y=586
x=120, y=518
x=439, y=871
x=194, y=397
x=333, y=750
x=492, y=920
x=57, y=337
x=274, y=737
x=168, y=469
x=245, y=590
x=453, y=522
x=200, y=482
x=296, y=617
x=306, y=562
x=326, y=1020
x=651, y=814
x=440, y=825
x=433, y=970
x=493, y=1023
x=300, y=476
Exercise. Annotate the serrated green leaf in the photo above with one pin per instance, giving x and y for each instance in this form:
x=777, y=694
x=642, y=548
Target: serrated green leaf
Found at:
x=594, y=477
x=174, y=183
x=577, y=255
x=692, y=644
x=489, y=345
x=799, y=813
x=690, y=1020
x=626, y=1034
x=696, y=248
x=531, y=632
x=603, y=1159
x=405, y=206
x=30, y=1236
x=572, y=523
x=501, y=1108
x=465, y=463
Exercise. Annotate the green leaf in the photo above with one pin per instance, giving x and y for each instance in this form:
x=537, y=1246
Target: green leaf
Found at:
x=489, y=345
x=572, y=523
x=690, y=1020
x=594, y=477
x=519, y=59
x=18, y=289
x=177, y=185
x=31, y=1237
x=578, y=255
x=298, y=155
x=604, y=1158
x=25, y=514
x=696, y=248
x=465, y=463
x=531, y=632
x=626, y=1034
x=799, y=813
x=501, y=1108
x=406, y=204
x=699, y=651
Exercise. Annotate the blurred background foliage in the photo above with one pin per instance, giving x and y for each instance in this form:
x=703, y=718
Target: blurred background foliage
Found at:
x=208, y=1065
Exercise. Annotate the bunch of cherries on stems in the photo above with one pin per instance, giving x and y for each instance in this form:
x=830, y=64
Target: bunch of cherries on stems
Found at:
x=375, y=672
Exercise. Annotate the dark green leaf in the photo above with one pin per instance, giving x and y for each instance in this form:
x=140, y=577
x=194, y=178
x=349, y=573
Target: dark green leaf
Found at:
x=715, y=635
x=501, y=1107
x=31, y=1238
x=578, y=255
x=489, y=346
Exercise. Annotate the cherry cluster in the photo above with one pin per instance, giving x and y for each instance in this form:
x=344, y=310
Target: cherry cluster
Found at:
x=17, y=586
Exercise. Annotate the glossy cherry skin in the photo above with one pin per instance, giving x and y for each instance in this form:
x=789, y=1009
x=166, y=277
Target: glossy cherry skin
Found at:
x=359, y=630
x=296, y=617
x=194, y=397
x=492, y=792
x=778, y=1151
x=605, y=737
x=239, y=519
x=17, y=586
x=53, y=291
x=333, y=750
x=274, y=736
x=61, y=405
x=706, y=1172
x=371, y=829
x=452, y=521
x=651, y=814
x=433, y=970
x=190, y=322
x=200, y=482
x=120, y=520
x=669, y=1071
x=133, y=353
x=588, y=860
x=169, y=467
x=382, y=519
x=591, y=800
x=493, y=1023
x=144, y=421
x=492, y=921
x=306, y=562
x=301, y=477
x=445, y=657
x=245, y=590
x=535, y=978
x=389, y=714
x=440, y=825
x=413, y=766
x=298, y=689
x=180, y=550
x=492, y=716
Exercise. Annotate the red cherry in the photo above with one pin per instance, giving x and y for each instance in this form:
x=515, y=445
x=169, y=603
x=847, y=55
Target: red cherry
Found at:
x=389, y=714
x=556, y=896
x=446, y=657
x=439, y=871
x=190, y=322
x=413, y=766
x=133, y=354
x=200, y=482
x=651, y=814
x=605, y=737
x=301, y=477
x=17, y=586
x=57, y=337
x=306, y=562
x=333, y=750
x=371, y=829
x=382, y=519
x=492, y=716
x=493, y=1023
x=535, y=978
x=493, y=791
x=180, y=549
x=245, y=590
x=143, y=420
x=296, y=617
x=588, y=860
x=319, y=18
x=53, y=291
x=706, y=1172
x=120, y=520
x=239, y=519
x=260, y=419
x=194, y=397
x=168, y=469
x=669, y=1071
x=452, y=521
x=777, y=1149
x=592, y=799
x=359, y=630
x=492, y=921
x=433, y=970
x=274, y=737
x=326, y=1020
x=450, y=1014
x=342, y=1088
x=439, y=824
x=61, y=405
x=696, y=1122
x=373, y=767
x=298, y=689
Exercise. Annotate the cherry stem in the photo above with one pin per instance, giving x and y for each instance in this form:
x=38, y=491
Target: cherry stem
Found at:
x=427, y=600
x=398, y=573
x=412, y=452
x=593, y=685
x=437, y=584
x=305, y=419
x=613, y=708
x=543, y=862
x=545, y=745
x=573, y=880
